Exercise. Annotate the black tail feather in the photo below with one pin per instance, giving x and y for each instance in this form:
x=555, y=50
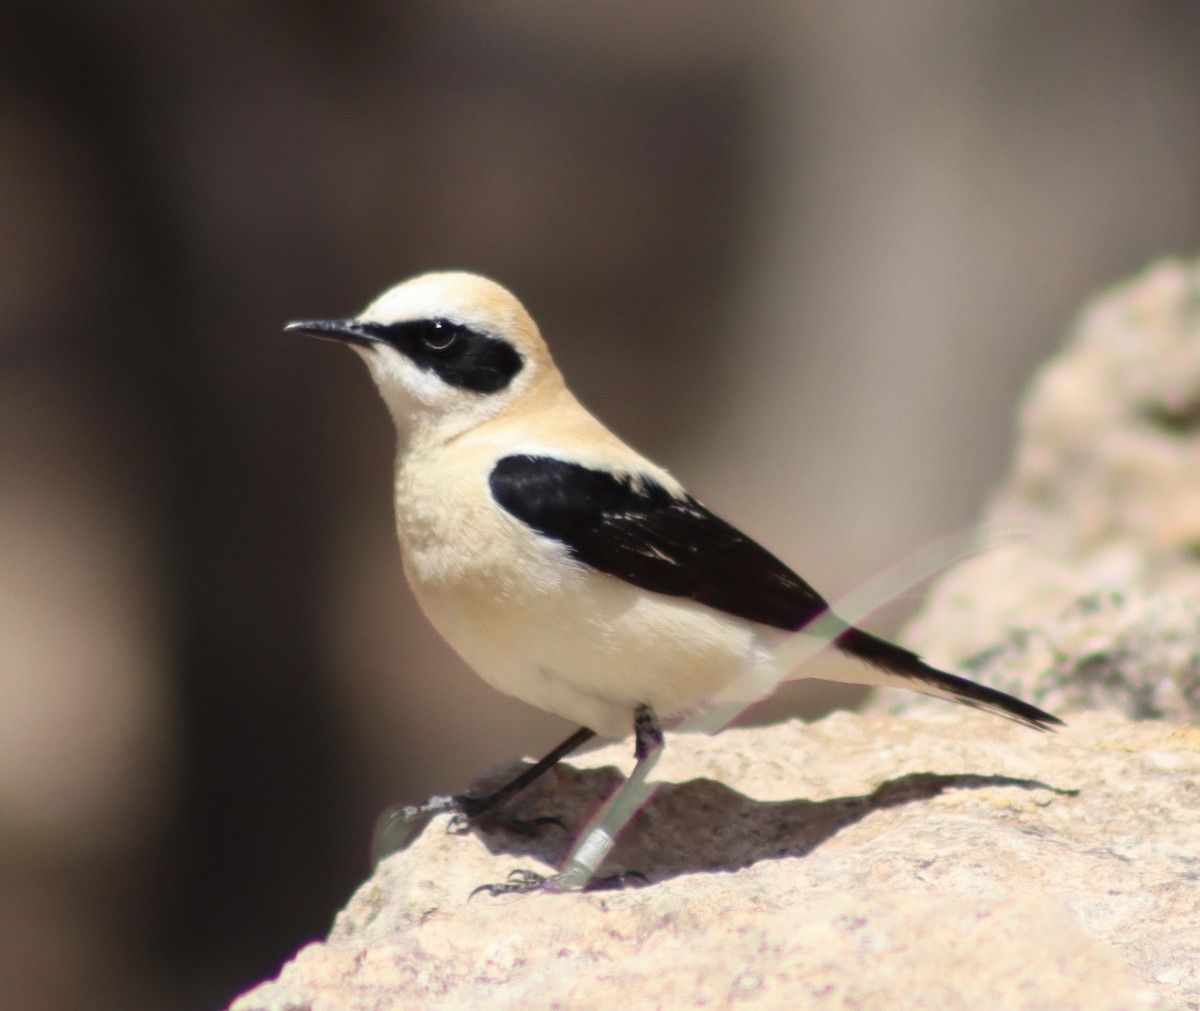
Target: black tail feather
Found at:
x=912, y=672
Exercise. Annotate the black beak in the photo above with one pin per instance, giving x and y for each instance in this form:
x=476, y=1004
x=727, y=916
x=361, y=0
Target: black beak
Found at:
x=348, y=331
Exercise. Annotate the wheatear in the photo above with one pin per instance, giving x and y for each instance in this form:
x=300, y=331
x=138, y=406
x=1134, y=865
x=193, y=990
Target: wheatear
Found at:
x=564, y=567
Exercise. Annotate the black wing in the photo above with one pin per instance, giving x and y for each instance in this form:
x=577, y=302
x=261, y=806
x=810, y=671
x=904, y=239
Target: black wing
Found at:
x=631, y=527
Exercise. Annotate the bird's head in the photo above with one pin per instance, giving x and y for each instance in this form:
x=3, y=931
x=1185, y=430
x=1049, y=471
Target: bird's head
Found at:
x=447, y=350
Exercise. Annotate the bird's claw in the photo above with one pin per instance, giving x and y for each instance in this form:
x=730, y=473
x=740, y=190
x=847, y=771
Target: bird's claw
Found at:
x=519, y=882
x=459, y=824
x=399, y=827
x=523, y=881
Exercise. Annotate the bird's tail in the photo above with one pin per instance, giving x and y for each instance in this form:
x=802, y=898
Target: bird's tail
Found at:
x=907, y=670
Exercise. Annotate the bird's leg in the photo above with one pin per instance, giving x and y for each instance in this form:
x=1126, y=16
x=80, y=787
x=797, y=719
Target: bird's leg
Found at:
x=399, y=826
x=647, y=733
x=599, y=837
x=473, y=807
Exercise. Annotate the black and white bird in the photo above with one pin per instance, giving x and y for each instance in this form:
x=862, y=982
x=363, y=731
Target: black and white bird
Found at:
x=567, y=569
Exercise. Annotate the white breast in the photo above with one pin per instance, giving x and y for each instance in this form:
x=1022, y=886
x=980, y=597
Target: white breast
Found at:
x=542, y=627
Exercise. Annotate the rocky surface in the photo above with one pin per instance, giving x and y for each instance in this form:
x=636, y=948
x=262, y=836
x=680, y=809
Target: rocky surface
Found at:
x=1136, y=653
x=941, y=859
x=1102, y=506
x=937, y=860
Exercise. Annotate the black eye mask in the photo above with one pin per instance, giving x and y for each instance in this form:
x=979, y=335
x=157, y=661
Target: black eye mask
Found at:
x=460, y=356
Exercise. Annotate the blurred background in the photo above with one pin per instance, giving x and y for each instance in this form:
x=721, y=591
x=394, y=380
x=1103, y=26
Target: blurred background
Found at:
x=806, y=254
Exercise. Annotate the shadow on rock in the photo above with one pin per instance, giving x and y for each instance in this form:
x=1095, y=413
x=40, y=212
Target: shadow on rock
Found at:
x=703, y=825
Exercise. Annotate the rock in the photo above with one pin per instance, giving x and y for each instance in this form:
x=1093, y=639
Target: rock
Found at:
x=1105, y=487
x=945, y=859
x=1097, y=603
x=942, y=860
x=1131, y=653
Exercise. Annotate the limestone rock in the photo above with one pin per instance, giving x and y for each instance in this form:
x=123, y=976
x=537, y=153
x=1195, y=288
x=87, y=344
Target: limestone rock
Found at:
x=1104, y=494
x=1132, y=653
x=941, y=860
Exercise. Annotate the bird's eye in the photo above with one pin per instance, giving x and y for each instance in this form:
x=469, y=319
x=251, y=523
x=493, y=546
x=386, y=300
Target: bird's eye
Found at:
x=440, y=335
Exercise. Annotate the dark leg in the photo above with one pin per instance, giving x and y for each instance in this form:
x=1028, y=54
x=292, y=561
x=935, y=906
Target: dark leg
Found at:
x=398, y=827
x=648, y=740
x=473, y=807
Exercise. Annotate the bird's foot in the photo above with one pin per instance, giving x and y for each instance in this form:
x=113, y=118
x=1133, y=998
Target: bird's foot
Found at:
x=398, y=827
x=522, y=882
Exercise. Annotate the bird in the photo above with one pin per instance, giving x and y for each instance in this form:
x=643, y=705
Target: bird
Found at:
x=567, y=569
